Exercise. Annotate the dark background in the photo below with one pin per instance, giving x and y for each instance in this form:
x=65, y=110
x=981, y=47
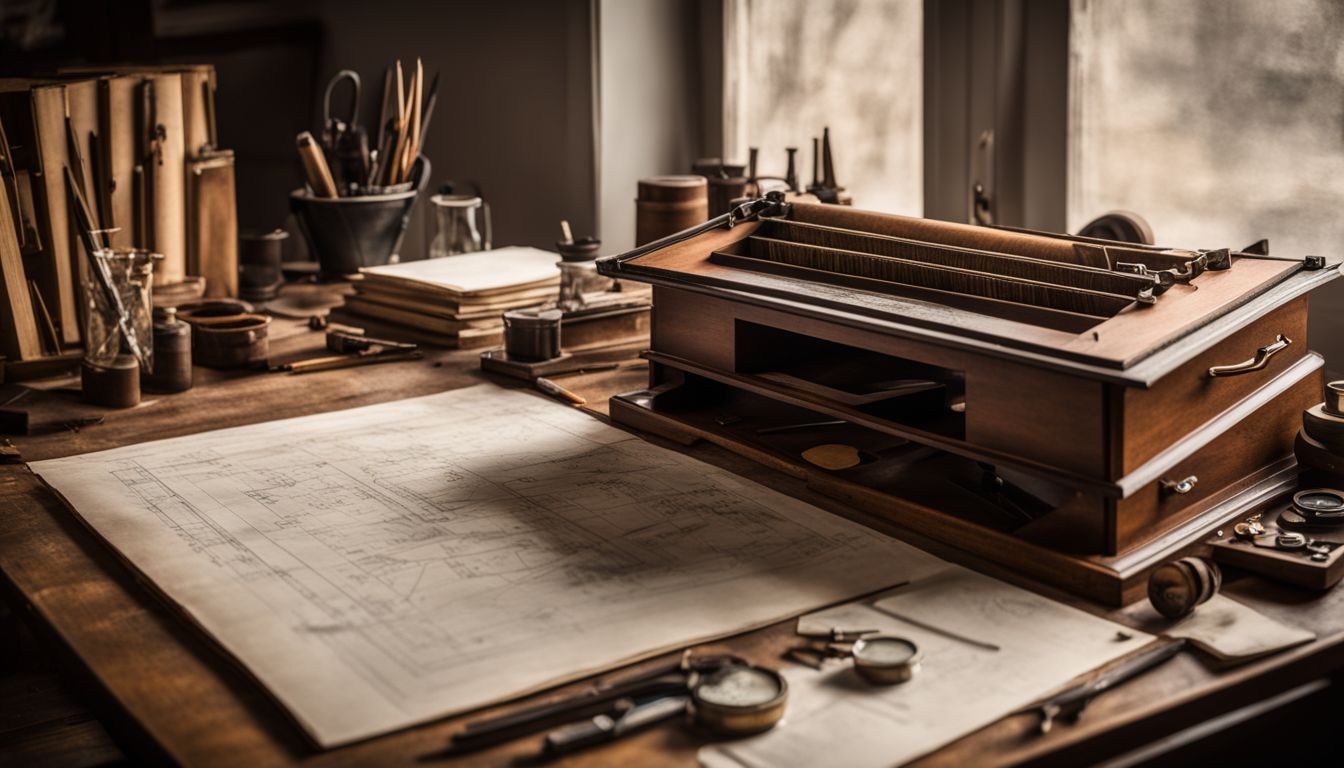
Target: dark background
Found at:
x=513, y=109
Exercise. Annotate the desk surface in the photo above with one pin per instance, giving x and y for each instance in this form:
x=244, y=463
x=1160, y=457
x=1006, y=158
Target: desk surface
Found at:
x=167, y=694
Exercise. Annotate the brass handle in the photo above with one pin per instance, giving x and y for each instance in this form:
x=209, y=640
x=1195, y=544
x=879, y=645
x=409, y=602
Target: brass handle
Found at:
x=1260, y=360
x=1179, y=487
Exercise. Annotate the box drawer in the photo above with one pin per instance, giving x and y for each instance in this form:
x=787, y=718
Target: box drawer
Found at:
x=1154, y=418
x=1228, y=464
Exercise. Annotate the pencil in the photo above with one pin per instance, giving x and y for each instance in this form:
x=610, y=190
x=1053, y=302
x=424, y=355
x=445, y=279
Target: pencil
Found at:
x=313, y=365
x=555, y=390
x=413, y=146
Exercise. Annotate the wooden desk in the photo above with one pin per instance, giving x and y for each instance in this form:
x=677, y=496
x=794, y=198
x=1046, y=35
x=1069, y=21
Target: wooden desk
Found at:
x=166, y=694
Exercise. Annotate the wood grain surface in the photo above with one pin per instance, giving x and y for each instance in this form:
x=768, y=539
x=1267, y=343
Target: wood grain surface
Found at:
x=167, y=694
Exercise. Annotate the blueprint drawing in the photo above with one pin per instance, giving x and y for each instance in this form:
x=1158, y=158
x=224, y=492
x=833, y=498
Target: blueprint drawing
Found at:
x=383, y=566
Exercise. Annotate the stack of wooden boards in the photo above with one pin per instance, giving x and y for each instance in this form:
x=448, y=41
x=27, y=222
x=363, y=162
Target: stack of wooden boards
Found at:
x=456, y=301
x=140, y=143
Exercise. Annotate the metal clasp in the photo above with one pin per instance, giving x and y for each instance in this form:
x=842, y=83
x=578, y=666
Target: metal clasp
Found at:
x=1179, y=487
x=1260, y=360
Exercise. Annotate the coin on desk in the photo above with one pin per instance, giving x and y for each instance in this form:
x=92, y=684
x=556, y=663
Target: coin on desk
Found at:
x=833, y=456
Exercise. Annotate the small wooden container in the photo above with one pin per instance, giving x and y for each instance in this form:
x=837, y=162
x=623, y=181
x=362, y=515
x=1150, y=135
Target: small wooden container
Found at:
x=669, y=204
x=722, y=193
x=232, y=342
x=115, y=384
x=172, y=355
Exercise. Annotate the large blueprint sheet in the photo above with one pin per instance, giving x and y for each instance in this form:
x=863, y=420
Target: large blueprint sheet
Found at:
x=387, y=565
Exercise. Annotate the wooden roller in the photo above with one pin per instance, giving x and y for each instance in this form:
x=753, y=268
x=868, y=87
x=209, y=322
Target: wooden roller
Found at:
x=946, y=233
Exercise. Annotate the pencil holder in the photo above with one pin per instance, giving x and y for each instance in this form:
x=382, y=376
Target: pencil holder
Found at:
x=117, y=286
x=130, y=274
x=346, y=233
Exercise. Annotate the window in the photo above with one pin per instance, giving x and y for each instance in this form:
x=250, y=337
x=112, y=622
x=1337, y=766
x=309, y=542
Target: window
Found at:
x=793, y=68
x=1219, y=122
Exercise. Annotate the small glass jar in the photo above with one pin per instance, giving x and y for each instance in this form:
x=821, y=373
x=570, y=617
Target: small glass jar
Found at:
x=131, y=275
x=461, y=225
x=578, y=272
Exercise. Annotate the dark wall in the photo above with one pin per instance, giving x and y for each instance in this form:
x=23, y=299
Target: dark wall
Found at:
x=515, y=112
x=514, y=107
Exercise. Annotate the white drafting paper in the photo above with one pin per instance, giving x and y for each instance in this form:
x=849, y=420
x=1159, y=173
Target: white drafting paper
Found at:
x=1225, y=629
x=383, y=566
x=835, y=718
x=478, y=273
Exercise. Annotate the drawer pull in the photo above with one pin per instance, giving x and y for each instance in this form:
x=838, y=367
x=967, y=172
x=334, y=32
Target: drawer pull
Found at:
x=1179, y=487
x=1260, y=360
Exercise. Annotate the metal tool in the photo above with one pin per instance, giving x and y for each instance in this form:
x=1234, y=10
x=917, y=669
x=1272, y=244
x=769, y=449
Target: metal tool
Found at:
x=736, y=699
x=772, y=204
x=1070, y=703
x=599, y=729
x=800, y=426
x=840, y=634
x=345, y=343
x=672, y=678
x=345, y=141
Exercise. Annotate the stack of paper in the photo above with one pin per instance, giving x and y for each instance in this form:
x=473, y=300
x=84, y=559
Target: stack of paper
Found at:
x=456, y=301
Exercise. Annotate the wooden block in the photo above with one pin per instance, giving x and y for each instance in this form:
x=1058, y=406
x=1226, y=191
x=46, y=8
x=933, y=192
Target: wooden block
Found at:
x=212, y=228
x=58, y=281
x=19, y=339
x=167, y=180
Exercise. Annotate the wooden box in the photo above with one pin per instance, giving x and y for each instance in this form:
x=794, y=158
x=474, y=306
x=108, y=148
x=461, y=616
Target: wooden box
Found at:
x=1015, y=395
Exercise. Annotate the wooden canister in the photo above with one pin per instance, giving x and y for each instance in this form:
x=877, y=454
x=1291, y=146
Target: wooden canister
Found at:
x=172, y=355
x=722, y=193
x=112, y=384
x=231, y=342
x=669, y=204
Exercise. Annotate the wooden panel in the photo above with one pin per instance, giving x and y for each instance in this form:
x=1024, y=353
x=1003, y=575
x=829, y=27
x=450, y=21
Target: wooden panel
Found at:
x=689, y=263
x=1078, y=575
x=212, y=231
x=117, y=119
x=1187, y=397
x=693, y=326
x=59, y=290
x=168, y=177
x=1137, y=332
x=1222, y=467
x=18, y=329
x=1039, y=415
x=1050, y=417
x=172, y=696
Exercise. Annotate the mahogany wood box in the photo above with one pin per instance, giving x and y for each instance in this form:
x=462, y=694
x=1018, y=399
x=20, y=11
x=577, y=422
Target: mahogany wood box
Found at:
x=1039, y=401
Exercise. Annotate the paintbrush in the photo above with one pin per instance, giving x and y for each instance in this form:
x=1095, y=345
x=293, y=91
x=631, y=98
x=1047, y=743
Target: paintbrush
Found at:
x=413, y=145
x=399, y=146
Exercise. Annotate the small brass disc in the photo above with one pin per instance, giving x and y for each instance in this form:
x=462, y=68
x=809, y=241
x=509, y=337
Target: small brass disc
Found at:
x=833, y=456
